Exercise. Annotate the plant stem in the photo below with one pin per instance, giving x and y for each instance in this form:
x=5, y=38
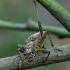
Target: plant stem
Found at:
x=33, y=26
x=56, y=10
x=60, y=32
x=12, y=25
x=64, y=55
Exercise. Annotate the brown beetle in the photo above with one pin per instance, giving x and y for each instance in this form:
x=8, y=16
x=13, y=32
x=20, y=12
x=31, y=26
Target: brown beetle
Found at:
x=34, y=43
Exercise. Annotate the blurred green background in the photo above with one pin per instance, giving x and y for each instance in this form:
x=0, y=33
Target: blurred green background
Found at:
x=20, y=11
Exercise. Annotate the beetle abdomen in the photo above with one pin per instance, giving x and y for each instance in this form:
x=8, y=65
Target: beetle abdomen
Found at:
x=36, y=38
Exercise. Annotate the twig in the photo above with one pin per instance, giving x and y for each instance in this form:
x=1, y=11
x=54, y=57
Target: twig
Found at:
x=60, y=32
x=6, y=63
x=12, y=25
x=61, y=14
x=33, y=26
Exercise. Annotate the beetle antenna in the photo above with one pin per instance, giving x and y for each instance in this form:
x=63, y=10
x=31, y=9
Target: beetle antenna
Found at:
x=39, y=23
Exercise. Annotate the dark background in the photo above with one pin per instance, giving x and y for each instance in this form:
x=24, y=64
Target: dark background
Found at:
x=20, y=11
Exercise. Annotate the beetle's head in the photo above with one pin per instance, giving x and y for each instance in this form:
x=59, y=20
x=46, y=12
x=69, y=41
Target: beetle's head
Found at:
x=29, y=54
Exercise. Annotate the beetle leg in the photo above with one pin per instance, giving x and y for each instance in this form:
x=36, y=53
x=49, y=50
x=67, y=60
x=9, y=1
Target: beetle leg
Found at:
x=50, y=39
x=45, y=51
x=21, y=60
x=52, y=45
x=46, y=60
x=20, y=49
x=39, y=23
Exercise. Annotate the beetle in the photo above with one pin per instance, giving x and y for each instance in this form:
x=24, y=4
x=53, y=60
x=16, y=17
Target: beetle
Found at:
x=34, y=44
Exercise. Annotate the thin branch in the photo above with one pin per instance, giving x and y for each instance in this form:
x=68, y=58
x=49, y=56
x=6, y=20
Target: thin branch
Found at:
x=12, y=25
x=33, y=26
x=60, y=32
x=61, y=14
x=64, y=55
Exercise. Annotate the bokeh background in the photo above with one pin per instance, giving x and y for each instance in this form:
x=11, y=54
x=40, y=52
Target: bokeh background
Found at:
x=20, y=11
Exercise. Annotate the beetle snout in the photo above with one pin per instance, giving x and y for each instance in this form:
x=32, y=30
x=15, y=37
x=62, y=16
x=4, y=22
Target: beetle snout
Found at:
x=30, y=59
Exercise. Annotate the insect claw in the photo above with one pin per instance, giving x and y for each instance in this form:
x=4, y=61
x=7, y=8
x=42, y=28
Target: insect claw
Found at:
x=57, y=49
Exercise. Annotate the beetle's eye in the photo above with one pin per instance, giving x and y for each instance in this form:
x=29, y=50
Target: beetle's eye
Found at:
x=32, y=50
x=24, y=51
